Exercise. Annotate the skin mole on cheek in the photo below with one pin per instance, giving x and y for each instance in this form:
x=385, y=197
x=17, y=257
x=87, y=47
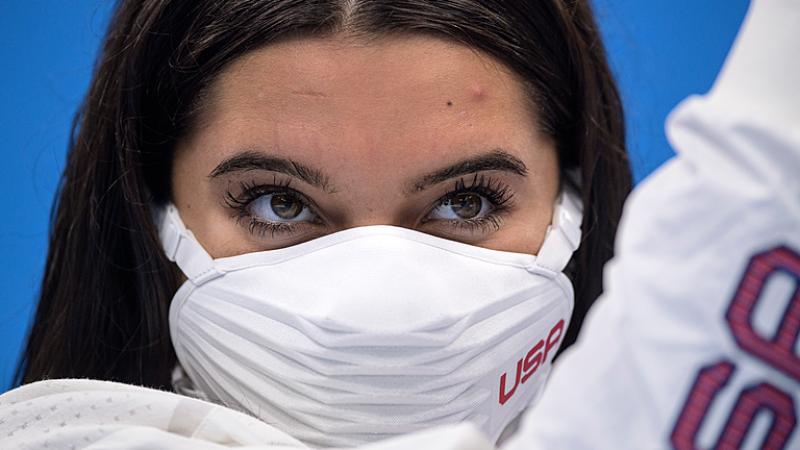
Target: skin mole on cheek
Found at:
x=449, y=103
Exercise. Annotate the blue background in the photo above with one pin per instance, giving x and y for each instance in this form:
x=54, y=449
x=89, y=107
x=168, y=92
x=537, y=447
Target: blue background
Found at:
x=661, y=51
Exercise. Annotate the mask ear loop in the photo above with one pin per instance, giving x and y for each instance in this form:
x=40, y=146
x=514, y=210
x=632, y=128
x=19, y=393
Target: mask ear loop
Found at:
x=563, y=236
x=181, y=247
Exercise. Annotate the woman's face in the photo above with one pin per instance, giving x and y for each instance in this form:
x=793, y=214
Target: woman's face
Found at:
x=311, y=136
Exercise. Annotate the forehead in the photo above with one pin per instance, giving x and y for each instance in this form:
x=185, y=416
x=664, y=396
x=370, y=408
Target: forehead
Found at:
x=378, y=69
x=418, y=97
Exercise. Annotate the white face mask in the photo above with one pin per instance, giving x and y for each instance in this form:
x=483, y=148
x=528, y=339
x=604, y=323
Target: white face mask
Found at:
x=372, y=332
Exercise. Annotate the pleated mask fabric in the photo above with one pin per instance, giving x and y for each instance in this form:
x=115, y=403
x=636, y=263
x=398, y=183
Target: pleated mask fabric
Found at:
x=373, y=331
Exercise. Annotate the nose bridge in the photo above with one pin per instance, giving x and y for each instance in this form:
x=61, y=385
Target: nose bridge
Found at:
x=379, y=202
x=383, y=215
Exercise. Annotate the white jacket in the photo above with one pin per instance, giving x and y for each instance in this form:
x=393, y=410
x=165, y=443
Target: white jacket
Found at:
x=702, y=302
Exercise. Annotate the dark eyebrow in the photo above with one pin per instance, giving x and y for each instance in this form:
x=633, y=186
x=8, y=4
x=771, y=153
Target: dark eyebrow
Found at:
x=255, y=160
x=497, y=159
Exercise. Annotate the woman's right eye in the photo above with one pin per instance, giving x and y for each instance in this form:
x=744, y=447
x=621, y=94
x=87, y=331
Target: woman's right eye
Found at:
x=280, y=207
x=271, y=209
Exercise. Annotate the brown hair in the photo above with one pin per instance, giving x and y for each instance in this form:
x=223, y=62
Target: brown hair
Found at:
x=102, y=311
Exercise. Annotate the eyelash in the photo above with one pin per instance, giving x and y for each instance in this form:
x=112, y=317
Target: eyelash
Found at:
x=495, y=191
x=250, y=191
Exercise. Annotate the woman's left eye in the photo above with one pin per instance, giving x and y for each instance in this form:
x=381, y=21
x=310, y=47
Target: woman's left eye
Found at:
x=280, y=207
x=463, y=206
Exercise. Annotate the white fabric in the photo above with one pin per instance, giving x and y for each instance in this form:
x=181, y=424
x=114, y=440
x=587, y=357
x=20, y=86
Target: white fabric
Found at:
x=685, y=243
x=94, y=415
x=90, y=414
x=374, y=331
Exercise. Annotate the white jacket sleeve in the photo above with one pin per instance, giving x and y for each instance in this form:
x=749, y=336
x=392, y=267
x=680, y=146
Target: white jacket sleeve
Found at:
x=72, y=414
x=695, y=342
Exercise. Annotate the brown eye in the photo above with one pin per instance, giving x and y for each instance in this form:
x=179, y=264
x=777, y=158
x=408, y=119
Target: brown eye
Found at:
x=465, y=206
x=280, y=207
x=285, y=206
